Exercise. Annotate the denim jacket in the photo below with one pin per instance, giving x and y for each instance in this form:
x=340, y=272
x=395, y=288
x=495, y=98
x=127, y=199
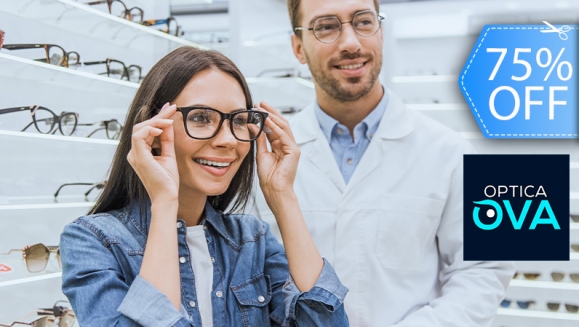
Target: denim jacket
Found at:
x=101, y=257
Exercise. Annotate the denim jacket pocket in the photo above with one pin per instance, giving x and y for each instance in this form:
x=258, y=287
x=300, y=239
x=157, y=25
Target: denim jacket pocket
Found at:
x=253, y=297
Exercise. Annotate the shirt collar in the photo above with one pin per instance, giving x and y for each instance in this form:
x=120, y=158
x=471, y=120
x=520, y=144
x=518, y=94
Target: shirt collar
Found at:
x=328, y=124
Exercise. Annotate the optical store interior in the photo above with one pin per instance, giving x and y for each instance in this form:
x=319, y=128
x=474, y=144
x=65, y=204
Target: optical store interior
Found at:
x=51, y=173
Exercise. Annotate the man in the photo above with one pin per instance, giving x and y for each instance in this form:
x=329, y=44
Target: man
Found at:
x=380, y=186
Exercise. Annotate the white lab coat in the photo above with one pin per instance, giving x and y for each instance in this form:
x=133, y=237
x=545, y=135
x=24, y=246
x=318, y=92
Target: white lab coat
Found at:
x=394, y=233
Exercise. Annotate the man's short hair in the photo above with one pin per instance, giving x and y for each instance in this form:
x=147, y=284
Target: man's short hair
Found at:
x=293, y=7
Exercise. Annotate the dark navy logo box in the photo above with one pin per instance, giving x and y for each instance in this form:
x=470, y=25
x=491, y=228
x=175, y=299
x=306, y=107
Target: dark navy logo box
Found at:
x=516, y=207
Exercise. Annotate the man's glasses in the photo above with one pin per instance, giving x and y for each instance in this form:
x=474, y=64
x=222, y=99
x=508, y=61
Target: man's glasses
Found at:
x=54, y=54
x=172, y=27
x=36, y=256
x=112, y=128
x=203, y=123
x=93, y=186
x=329, y=28
x=118, y=69
x=46, y=121
x=118, y=8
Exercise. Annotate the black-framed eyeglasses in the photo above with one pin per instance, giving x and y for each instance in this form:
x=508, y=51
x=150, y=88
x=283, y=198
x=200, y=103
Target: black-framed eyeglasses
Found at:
x=172, y=27
x=328, y=29
x=119, y=8
x=55, y=54
x=112, y=127
x=118, y=69
x=93, y=186
x=46, y=121
x=203, y=123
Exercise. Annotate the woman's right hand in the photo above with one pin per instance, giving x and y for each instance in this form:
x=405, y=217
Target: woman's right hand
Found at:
x=158, y=174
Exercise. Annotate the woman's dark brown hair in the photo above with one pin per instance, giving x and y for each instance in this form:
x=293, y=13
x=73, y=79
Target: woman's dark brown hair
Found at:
x=163, y=84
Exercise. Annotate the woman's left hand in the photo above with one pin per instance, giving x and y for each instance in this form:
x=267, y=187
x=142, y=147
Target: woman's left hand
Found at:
x=276, y=169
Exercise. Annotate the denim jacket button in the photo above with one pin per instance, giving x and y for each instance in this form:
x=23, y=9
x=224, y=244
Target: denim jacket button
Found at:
x=179, y=225
x=192, y=304
x=260, y=299
x=212, y=260
x=219, y=294
x=182, y=260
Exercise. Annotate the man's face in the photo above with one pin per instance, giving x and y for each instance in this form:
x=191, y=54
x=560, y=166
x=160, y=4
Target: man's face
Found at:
x=347, y=68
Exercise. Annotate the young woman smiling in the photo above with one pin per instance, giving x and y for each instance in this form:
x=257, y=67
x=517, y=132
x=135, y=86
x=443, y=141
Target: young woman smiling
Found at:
x=161, y=248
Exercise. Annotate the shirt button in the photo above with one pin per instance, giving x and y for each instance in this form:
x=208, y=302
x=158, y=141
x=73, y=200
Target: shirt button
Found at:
x=182, y=260
x=179, y=225
x=260, y=299
x=219, y=294
x=212, y=260
x=340, y=131
x=204, y=227
x=192, y=304
x=349, y=161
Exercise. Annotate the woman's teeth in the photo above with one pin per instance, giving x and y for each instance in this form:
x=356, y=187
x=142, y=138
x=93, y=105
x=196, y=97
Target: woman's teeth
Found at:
x=213, y=163
x=350, y=66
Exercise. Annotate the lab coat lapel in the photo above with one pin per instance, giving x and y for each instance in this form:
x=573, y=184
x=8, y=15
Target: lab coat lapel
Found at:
x=315, y=147
x=396, y=122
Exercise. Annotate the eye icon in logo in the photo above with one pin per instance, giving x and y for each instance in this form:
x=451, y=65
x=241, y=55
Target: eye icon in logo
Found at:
x=495, y=211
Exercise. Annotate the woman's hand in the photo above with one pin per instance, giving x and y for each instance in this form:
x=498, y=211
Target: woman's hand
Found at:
x=158, y=174
x=276, y=169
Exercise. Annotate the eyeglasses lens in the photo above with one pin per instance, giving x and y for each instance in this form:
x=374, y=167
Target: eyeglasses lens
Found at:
x=553, y=306
x=136, y=15
x=134, y=73
x=328, y=29
x=56, y=56
x=68, y=123
x=172, y=27
x=67, y=319
x=575, y=247
x=72, y=59
x=36, y=257
x=44, y=322
x=113, y=130
x=44, y=120
x=366, y=23
x=531, y=276
x=524, y=304
x=572, y=308
x=557, y=276
x=116, y=70
x=118, y=9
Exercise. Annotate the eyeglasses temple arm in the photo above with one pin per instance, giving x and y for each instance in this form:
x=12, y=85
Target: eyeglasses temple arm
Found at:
x=96, y=130
x=14, y=109
x=68, y=184
x=94, y=62
x=26, y=127
x=10, y=251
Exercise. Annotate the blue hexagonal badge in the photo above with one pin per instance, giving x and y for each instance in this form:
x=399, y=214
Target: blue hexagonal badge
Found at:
x=520, y=81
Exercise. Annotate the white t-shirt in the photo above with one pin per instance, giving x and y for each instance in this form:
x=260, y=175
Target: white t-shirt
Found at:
x=203, y=271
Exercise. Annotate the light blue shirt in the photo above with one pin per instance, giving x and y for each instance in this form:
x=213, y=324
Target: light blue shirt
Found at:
x=347, y=151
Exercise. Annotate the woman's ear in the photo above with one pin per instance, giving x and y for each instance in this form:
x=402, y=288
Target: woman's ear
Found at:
x=156, y=147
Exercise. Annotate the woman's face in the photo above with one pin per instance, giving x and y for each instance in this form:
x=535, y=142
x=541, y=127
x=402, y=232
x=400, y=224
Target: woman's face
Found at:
x=198, y=160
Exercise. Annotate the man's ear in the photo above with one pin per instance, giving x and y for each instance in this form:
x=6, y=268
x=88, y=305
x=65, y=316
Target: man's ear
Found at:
x=156, y=146
x=298, y=49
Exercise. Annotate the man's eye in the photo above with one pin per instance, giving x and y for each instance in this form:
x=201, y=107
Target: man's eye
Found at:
x=326, y=27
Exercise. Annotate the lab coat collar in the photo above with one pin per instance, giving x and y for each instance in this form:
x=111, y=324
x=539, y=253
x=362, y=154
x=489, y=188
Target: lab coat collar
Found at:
x=396, y=123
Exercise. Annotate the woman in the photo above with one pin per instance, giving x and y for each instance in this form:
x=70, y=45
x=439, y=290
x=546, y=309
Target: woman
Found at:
x=157, y=249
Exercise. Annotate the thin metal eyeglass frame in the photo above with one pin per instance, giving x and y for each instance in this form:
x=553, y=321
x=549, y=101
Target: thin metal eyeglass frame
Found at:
x=98, y=185
x=126, y=69
x=104, y=124
x=223, y=116
x=380, y=16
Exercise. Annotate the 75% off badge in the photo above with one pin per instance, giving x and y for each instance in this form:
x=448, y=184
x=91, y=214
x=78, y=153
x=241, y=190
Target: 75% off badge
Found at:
x=519, y=81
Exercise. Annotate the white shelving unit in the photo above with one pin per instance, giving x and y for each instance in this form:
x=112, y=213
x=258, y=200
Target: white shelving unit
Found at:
x=34, y=165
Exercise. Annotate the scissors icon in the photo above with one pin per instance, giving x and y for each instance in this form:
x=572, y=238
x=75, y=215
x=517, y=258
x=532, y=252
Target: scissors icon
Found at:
x=562, y=31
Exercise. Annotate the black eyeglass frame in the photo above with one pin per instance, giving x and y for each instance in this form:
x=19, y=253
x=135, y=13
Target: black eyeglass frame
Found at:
x=223, y=116
x=380, y=16
x=104, y=124
x=126, y=14
x=124, y=73
x=98, y=185
x=56, y=118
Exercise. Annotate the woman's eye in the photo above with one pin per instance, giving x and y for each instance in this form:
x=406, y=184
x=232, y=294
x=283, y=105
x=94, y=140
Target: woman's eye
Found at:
x=199, y=119
x=240, y=120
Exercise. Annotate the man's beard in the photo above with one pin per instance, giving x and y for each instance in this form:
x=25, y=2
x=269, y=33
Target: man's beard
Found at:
x=354, y=88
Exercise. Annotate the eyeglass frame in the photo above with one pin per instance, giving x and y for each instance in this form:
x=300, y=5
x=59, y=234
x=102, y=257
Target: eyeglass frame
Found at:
x=223, y=116
x=59, y=312
x=154, y=22
x=126, y=68
x=381, y=17
x=56, y=118
x=35, y=323
x=98, y=185
x=64, y=60
x=127, y=12
x=51, y=249
x=104, y=124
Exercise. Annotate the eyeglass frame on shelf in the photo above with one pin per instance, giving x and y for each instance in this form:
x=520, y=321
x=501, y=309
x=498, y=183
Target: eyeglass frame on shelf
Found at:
x=98, y=185
x=126, y=13
x=64, y=61
x=35, y=323
x=56, y=118
x=223, y=116
x=380, y=16
x=50, y=248
x=154, y=22
x=104, y=124
x=59, y=312
x=126, y=69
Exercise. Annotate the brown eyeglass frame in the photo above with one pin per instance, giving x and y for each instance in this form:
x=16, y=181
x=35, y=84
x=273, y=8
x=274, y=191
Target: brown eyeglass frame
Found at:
x=26, y=253
x=55, y=121
x=126, y=13
x=64, y=61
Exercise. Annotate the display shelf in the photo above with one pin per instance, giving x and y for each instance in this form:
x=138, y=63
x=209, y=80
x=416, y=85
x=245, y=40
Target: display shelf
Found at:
x=282, y=91
x=542, y=290
x=56, y=76
x=95, y=24
x=528, y=318
x=30, y=279
x=48, y=206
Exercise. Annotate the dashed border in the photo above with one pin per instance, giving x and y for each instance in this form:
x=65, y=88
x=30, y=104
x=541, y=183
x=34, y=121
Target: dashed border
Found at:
x=472, y=103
